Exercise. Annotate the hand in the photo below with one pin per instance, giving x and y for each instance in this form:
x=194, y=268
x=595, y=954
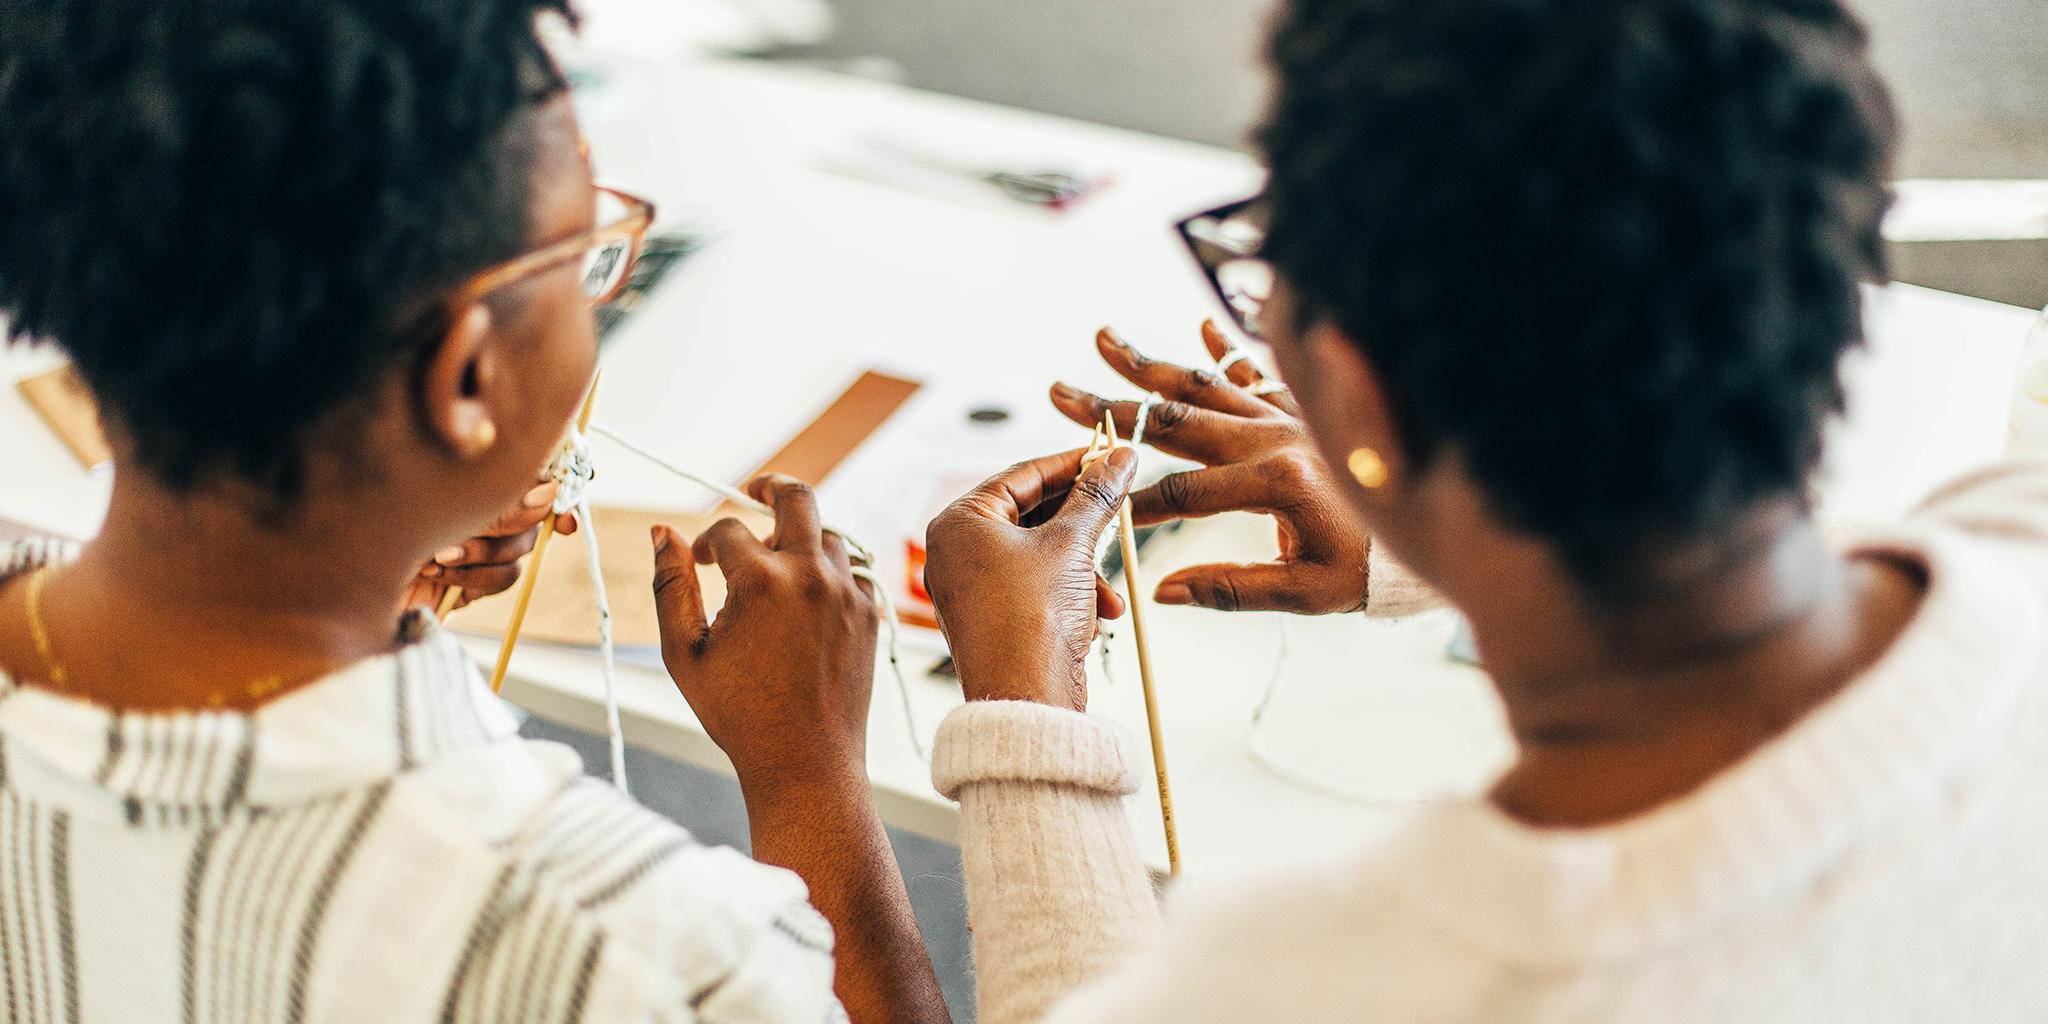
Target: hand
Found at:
x=781, y=680
x=488, y=563
x=1018, y=604
x=1258, y=458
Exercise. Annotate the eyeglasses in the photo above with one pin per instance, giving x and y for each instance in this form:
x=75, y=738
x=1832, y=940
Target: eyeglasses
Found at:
x=607, y=253
x=1225, y=243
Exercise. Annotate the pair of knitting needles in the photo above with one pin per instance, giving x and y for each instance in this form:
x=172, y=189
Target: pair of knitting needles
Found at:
x=1100, y=446
x=453, y=596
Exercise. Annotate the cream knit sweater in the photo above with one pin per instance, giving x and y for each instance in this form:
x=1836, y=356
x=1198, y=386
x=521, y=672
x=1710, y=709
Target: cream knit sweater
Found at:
x=1886, y=859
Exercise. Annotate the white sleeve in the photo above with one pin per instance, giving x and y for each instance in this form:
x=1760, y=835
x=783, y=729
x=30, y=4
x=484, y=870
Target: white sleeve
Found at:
x=713, y=935
x=1057, y=893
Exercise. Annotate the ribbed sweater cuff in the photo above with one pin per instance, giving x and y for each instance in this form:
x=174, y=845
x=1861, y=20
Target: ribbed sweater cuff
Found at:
x=1391, y=591
x=1019, y=741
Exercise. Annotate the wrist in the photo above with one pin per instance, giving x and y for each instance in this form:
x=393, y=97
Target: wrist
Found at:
x=823, y=781
x=1037, y=681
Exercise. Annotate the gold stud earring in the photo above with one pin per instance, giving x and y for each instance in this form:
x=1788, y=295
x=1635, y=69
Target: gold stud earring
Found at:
x=483, y=436
x=1367, y=468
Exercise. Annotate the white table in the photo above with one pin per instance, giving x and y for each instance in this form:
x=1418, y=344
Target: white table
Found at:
x=817, y=275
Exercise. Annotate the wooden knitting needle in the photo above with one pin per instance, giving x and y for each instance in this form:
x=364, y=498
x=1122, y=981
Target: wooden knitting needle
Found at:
x=1133, y=587
x=540, y=551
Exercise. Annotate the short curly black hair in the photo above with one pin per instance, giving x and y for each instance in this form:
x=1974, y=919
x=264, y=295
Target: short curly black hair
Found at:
x=1605, y=252
x=224, y=210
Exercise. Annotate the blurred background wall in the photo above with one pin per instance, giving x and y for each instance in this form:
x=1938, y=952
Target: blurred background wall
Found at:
x=1970, y=77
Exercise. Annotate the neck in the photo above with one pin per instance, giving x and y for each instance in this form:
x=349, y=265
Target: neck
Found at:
x=1620, y=705
x=188, y=600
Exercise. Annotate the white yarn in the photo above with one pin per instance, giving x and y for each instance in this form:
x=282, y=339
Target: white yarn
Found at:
x=573, y=470
x=613, y=732
x=1143, y=416
x=1268, y=387
x=1230, y=359
x=860, y=555
x=854, y=548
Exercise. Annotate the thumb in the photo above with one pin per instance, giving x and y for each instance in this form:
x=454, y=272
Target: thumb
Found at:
x=678, y=601
x=1091, y=507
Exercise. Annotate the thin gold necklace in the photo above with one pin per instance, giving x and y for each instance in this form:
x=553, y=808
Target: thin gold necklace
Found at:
x=39, y=634
x=39, y=631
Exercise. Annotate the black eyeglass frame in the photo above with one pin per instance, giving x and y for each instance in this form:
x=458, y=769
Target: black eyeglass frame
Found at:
x=1214, y=253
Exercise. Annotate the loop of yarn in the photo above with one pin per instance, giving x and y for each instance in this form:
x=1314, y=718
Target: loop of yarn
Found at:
x=1230, y=359
x=573, y=469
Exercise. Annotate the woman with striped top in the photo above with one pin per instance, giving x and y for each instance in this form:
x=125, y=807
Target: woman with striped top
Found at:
x=318, y=261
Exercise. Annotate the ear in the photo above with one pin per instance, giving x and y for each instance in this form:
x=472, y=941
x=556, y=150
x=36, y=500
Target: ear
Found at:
x=1349, y=400
x=457, y=376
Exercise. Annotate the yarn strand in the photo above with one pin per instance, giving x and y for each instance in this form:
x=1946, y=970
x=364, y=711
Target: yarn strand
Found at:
x=859, y=553
x=606, y=650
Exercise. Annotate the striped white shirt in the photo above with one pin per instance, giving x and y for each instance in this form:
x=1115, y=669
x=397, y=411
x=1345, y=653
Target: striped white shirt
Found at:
x=376, y=846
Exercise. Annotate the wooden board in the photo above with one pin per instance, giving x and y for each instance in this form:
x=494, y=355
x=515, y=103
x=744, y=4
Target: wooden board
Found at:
x=855, y=415
x=564, y=609
x=60, y=398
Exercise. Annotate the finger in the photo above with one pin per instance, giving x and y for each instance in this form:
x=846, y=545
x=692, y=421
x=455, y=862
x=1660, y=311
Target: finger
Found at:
x=1093, y=503
x=731, y=545
x=487, y=550
x=1108, y=603
x=678, y=599
x=421, y=594
x=835, y=550
x=565, y=523
x=796, y=511
x=1174, y=427
x=533, y=508
x=1191, y=494
x=1244, y=372
x=480, y=580
x=1201, y=388
x=1016, y=491
x=1268, y=587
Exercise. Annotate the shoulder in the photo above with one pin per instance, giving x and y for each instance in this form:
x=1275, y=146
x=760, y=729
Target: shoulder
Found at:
x=626, y=916
x=2007, y=502
x=1997, y=519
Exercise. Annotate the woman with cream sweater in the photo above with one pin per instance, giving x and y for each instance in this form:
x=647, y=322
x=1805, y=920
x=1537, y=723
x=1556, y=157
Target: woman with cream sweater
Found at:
x=1560, y=290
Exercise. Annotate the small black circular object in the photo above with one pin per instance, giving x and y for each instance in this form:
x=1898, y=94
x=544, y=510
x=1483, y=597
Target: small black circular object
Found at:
x=989, y=414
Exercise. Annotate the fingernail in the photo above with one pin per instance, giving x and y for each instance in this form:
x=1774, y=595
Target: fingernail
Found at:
x=1112, y=338
x=430, y=569
x=659, y=536
x=541, y=494
x=1173, y=593
x=1121, y=459
x=449, y=555
x=1064, y=390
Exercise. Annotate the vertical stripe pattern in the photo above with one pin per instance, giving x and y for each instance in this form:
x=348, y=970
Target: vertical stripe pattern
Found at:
x=221, y=868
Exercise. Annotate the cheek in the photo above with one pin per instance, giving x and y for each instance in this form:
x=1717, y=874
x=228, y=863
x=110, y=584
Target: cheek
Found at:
x=565, y=354
x=556, y=353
